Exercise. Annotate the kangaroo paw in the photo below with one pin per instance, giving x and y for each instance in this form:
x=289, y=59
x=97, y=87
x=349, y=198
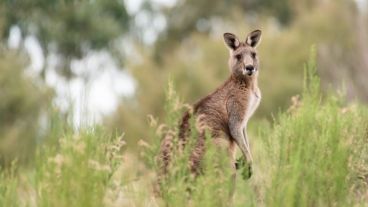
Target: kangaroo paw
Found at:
x=247, y=172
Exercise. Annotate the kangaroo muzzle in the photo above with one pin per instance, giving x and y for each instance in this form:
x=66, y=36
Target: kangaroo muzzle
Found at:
x=249, y=70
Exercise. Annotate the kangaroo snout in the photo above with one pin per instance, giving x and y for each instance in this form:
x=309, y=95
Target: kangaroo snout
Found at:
x=249, y=69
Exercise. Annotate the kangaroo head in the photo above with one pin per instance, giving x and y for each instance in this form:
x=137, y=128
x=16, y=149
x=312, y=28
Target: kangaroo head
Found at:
x=243, y=60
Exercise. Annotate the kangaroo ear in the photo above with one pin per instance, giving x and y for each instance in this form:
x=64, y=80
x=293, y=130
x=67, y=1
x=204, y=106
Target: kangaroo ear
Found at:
x=231, y=41
x=254, y=38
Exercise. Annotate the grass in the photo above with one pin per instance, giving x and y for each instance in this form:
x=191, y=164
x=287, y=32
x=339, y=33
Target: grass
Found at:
x=315, y=154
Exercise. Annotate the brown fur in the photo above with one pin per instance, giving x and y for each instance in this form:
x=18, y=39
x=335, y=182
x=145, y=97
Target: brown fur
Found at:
x=226, y=111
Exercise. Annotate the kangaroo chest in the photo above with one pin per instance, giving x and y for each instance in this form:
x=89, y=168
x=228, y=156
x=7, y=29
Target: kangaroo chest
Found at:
x=253, y=100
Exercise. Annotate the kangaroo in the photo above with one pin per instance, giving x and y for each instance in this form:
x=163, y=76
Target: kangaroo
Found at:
x=225, y=112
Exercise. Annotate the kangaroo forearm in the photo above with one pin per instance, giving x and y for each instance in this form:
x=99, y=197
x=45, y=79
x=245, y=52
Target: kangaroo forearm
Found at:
x=246, y=138
x=242, y=143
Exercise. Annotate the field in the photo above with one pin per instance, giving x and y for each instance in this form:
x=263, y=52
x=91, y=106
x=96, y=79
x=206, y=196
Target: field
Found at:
x=313, y=154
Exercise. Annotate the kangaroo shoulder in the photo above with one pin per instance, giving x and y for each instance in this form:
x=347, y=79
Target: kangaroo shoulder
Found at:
x=235, y=103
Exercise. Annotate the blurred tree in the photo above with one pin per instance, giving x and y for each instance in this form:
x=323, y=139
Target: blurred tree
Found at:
x=23, y=102
x=68, y=28
x=344, y=59
x=189, y=16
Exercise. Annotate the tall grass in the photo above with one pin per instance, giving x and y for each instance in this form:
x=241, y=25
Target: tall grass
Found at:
x=314, y=154
x=313, y=147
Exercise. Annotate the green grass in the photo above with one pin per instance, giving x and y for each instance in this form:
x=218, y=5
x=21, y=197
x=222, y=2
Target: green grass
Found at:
x=315, y=154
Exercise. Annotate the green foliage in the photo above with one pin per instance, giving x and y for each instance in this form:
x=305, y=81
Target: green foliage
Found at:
x=314, y=147
x=68, y=28
x=8, y=187
x=23, y=103
x=190, y=16
x=79, y=171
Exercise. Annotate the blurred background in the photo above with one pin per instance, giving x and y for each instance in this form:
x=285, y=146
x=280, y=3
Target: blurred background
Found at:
x=109, y=62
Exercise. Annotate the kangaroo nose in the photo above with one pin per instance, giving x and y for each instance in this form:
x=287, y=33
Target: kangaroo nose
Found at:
x=249, y=68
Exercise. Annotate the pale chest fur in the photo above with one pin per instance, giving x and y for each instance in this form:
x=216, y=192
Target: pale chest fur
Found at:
x=254, y=98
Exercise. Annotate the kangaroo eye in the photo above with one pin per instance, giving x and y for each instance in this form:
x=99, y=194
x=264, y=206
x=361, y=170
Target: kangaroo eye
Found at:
x=238, y=57
x=253, y=54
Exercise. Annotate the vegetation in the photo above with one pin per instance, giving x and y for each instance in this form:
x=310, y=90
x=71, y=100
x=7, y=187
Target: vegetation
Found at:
x=68, y=29
x=23, y=102
x=312, y=151
x=312, y=155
